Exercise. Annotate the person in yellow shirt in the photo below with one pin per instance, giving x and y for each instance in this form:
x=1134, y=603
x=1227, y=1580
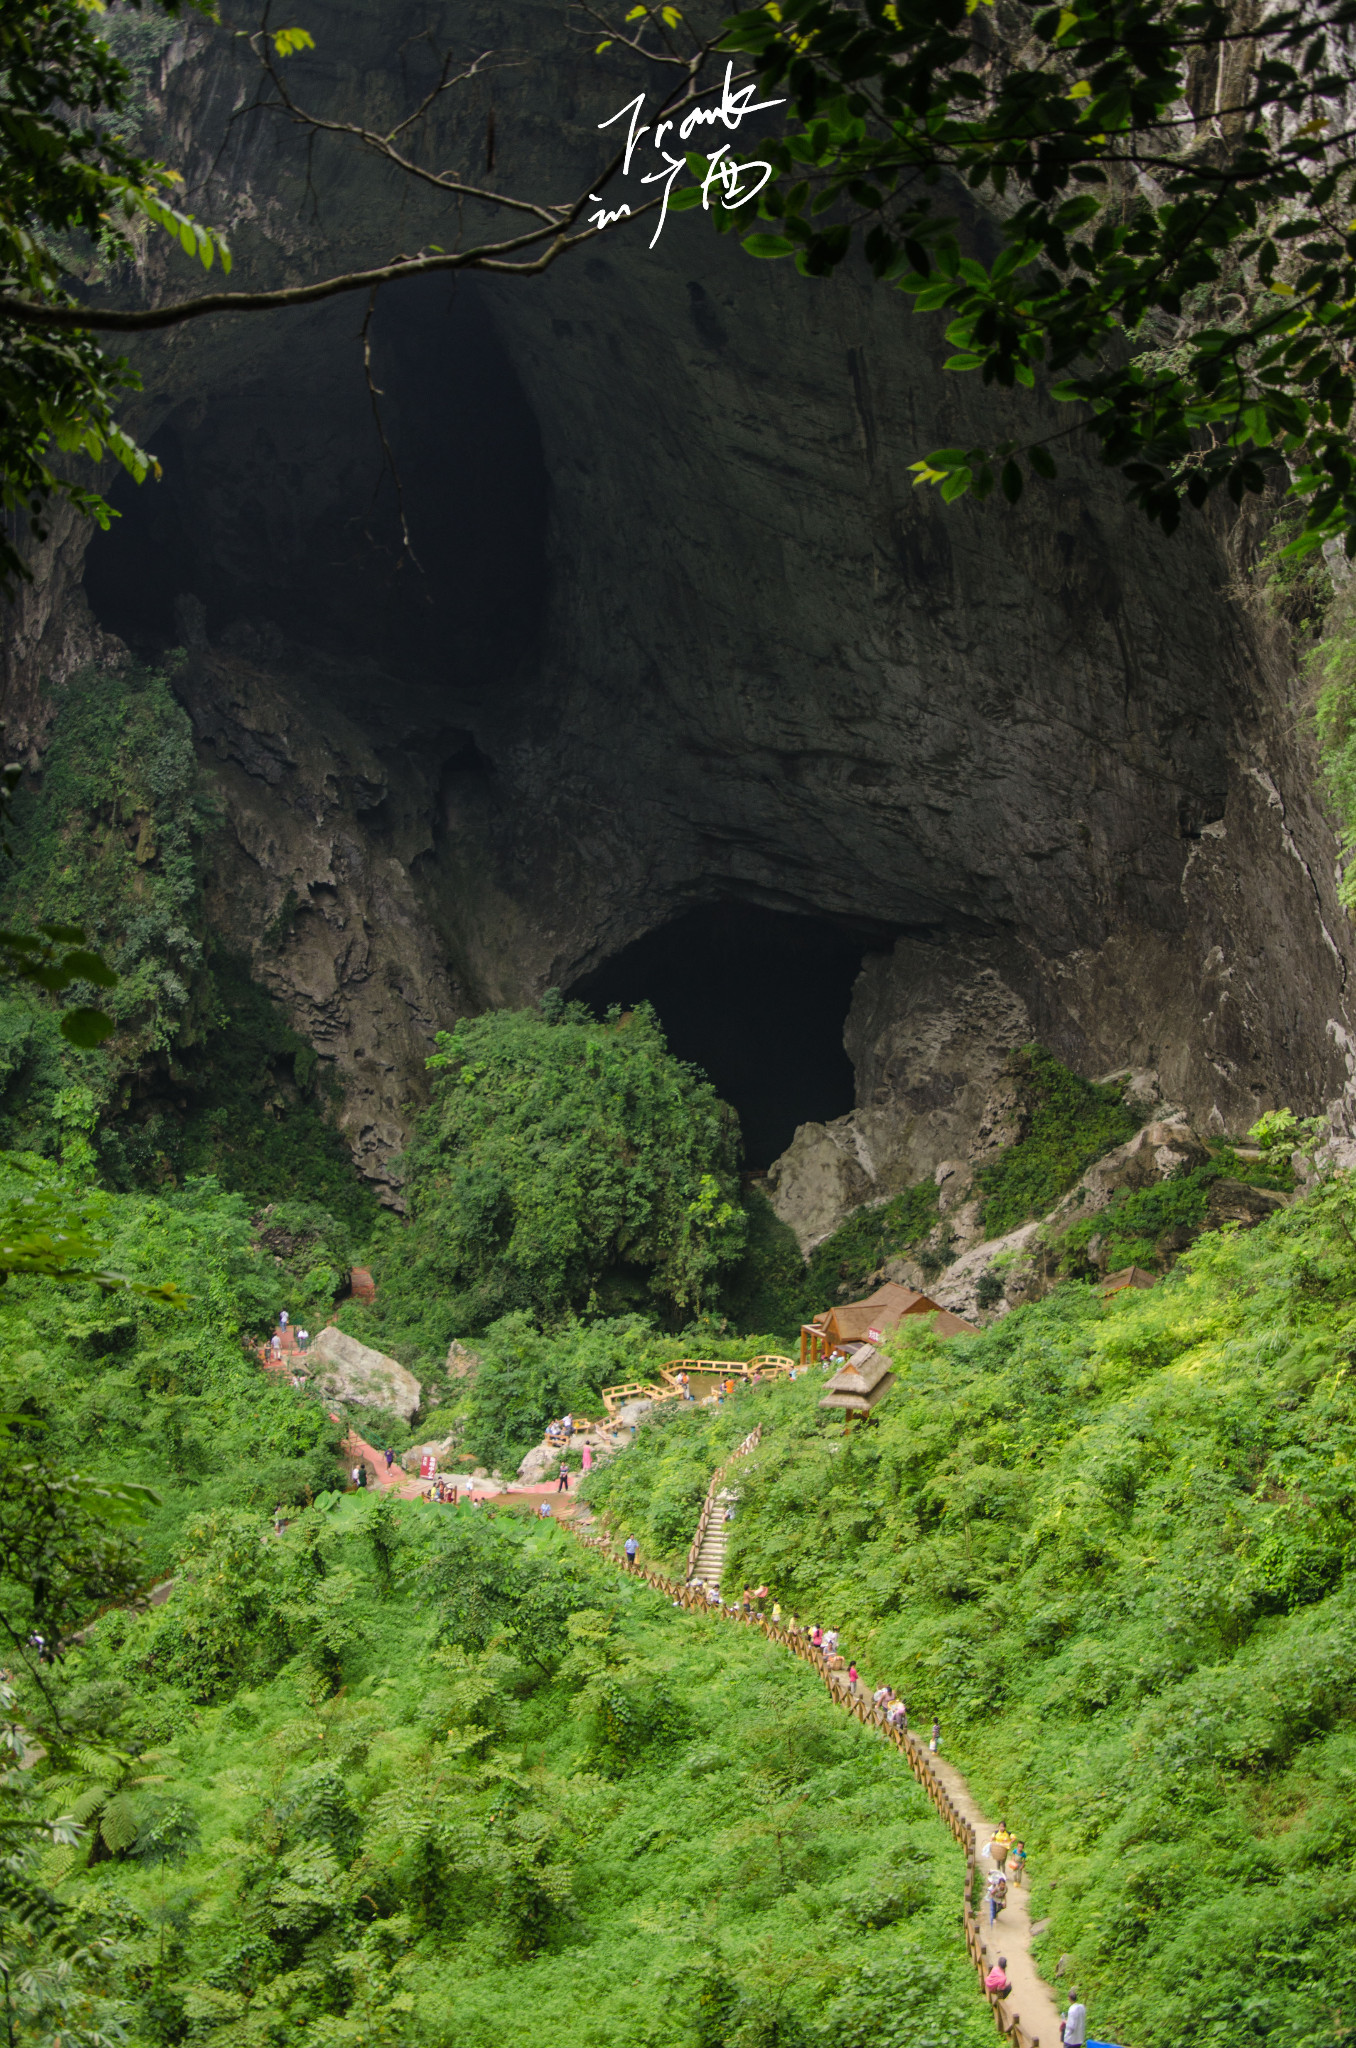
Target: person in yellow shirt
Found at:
x=999, y=1846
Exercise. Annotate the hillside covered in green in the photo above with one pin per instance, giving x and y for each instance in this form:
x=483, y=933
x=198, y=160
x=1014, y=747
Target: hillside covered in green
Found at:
x=418, y=1776
x=1111, y=1545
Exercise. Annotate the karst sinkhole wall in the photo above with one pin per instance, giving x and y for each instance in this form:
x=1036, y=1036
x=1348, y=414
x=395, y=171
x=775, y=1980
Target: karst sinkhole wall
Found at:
x=688, y=635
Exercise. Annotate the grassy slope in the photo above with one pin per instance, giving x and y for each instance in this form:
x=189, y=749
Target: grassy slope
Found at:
x=1110, y=1545
x=670, y=1836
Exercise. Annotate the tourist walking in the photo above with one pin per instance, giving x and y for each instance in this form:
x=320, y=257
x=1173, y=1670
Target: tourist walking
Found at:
x=631, y=1548
x=1017, y=1861
x=996, y=1891
x=998, y=1980
x=852, y=1676
x=999, y=1846
x=389, y=1456
x=935, y=1739
x=563, y=1483
x=587, y=1455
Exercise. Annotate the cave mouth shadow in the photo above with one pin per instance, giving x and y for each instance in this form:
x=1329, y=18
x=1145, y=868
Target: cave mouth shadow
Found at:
x=756, y=998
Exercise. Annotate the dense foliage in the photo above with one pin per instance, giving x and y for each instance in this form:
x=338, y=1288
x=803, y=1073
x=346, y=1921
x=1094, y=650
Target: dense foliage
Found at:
x=202, y=1074
x=1064, y=1124
x=407, y=1775
x=1167, y=243
x=563, y=1164
x=1111, y=1545
x=137, y=1389
x=842, y=1265
x=527, y=1376
x=1148, y=1227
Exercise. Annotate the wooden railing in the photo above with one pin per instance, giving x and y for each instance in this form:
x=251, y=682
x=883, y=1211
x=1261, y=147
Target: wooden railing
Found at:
x=915, y=1753
x=766, y=1365
x=708, y=1505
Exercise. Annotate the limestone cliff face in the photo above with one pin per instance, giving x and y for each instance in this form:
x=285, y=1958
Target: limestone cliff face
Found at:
x=686, y=632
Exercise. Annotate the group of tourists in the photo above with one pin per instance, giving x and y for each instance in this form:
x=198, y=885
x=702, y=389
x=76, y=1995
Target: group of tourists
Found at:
x=277, y=1343
x=1009, y=1862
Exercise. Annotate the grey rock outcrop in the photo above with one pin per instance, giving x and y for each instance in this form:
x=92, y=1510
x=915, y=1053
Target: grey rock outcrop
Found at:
x=632, y=1413
x=540, y=1464
x=347, y=1371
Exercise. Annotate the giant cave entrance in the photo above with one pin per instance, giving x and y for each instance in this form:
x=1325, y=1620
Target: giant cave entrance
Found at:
x=281, y=505
x=758, y=999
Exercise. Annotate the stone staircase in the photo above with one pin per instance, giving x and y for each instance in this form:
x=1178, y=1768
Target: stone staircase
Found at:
x=711, y=1556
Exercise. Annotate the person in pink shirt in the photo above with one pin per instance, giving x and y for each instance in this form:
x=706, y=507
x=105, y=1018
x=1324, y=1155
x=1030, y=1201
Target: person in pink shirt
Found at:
x=588, y=1458
x=998, y=1980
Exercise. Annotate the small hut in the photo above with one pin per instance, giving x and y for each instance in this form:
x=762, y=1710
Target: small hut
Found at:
x=862, y=1322
x=861, y=1382
x=1128, y=1276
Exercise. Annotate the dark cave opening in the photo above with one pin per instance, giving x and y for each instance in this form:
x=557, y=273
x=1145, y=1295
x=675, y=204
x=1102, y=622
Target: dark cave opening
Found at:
x=757, y=999
x=279, y=504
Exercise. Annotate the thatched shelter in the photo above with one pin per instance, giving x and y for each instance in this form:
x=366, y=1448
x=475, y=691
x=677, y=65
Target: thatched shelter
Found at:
x=861, y=1382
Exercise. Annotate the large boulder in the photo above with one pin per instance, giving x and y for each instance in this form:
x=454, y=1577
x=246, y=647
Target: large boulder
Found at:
x=541, y=1463
x=632, y=1413
x=348, y=1371
x=1233, y=1201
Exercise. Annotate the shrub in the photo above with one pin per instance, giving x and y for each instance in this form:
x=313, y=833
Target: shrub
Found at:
x=564, y=1164
x=1065, y=1123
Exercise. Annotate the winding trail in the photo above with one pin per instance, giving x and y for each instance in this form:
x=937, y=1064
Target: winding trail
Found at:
x=945, y=1785
x=1028, y=2015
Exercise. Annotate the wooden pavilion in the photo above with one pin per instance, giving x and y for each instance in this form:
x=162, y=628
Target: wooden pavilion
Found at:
x=863, y=1322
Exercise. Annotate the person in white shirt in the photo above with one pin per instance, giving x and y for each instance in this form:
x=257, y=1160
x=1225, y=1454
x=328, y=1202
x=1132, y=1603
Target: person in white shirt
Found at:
x=1074, y=2032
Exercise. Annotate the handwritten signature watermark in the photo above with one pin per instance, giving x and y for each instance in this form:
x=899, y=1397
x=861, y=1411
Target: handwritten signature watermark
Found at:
x=721, y=169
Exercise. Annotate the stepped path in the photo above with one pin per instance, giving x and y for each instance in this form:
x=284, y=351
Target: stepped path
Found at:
x=1028, y=2016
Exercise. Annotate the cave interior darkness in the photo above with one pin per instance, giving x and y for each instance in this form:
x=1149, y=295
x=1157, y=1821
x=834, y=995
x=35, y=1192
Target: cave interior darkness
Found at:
x=757, y=998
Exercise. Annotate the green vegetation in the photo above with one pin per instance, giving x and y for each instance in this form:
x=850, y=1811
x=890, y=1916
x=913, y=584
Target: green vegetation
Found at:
x=202, y=1074
x=526, y=1377
x=137, y=1389
x=1111, y=1546
x=841, y=1267
x=564, y=1164
x=411, y=1775
x=1168, y=320
x=767, y=1289
x=1151, y=1226
x=1332, y=671
x=1065, y=1123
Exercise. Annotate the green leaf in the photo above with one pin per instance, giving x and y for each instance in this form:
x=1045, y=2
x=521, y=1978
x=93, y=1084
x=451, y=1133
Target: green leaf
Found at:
x=769, y=245
x=86, y=1028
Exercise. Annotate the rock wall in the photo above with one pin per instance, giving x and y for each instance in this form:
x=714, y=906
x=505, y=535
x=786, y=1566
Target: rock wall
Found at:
x=698, y=637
